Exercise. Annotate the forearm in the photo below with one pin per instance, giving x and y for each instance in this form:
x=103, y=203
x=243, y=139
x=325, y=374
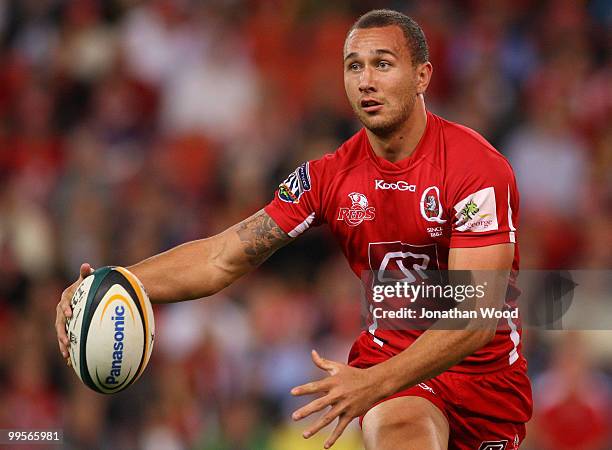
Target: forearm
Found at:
x=186, y=272
x=432, y=353
x=203, y=267
x=444, y=345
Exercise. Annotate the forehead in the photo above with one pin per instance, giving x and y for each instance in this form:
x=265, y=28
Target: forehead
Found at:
x=367, y=40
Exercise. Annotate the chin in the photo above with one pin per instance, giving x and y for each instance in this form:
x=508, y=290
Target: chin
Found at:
x=379, y=126
x=372, y=121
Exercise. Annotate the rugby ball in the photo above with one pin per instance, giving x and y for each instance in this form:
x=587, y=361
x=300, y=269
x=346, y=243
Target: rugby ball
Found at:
x=111, y=330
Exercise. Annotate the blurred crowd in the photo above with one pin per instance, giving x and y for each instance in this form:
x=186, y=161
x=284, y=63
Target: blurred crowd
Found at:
x=127, y=127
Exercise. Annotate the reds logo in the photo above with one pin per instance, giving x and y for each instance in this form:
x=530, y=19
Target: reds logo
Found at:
x=358, y=212
x=431, y=206
x=431, y=210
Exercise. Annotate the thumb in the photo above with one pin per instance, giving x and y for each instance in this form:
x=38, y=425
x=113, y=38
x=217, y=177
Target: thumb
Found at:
x=323, y=363
x=86, y=270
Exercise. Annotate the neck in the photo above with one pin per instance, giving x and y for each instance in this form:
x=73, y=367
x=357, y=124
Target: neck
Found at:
x=401, y=143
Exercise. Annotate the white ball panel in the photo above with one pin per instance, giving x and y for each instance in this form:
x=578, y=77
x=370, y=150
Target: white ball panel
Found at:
x=115, y=341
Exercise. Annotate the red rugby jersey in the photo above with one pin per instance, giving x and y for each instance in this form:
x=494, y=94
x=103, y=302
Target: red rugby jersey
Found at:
x=383, y=214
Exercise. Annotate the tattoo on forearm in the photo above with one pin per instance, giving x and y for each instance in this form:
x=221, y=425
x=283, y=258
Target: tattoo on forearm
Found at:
x=261, y=237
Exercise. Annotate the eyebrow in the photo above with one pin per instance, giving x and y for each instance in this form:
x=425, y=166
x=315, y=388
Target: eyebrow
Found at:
x=378, y=51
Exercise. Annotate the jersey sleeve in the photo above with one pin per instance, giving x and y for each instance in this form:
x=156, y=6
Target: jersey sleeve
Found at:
x=297, y=201
x=483, y=202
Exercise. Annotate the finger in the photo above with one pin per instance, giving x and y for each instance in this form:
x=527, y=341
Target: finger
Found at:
x=86, y=270
x=312, y=407
x=65, y=306
x=311, y=388
x=60, y=326
x=321, y=363
x=340, y=427
x=63, y=349
x=323, y=421
x=62, y=339
x=331, y=367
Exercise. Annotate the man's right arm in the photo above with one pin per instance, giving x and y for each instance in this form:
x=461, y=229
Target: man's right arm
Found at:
x=203, y=267
x=194, y=269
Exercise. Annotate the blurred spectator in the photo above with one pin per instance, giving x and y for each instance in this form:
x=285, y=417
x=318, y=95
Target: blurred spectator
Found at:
x=573, y=401
x=26, y=231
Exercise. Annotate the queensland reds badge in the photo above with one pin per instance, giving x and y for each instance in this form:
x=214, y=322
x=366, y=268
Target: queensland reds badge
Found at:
x=358, y=212
x=431, y=209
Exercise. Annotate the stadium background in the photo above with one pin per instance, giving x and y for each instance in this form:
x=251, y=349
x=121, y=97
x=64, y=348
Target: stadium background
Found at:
x=127, y=127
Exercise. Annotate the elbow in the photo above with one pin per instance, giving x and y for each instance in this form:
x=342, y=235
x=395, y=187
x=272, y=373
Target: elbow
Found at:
x=489, y=335
x=482, y=337
x=221, y=275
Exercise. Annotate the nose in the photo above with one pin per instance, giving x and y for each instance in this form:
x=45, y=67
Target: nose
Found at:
x=366, y=80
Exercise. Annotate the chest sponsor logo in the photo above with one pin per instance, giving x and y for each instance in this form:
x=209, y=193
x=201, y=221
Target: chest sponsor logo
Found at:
x=477, y=212
x=359, y=210
x=295, y=185
x=430, y=206
x=395, y=186
x=390, y=260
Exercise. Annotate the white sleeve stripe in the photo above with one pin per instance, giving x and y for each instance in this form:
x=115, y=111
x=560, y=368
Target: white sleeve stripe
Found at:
x=376, y=340
x=302, y=227
x=515, y=337
x=510, y=224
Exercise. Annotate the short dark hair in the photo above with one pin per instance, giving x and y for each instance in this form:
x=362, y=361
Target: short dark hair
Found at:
x=413, y=33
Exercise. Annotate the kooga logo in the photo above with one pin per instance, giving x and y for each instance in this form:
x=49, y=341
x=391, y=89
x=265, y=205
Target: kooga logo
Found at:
x=397, y=186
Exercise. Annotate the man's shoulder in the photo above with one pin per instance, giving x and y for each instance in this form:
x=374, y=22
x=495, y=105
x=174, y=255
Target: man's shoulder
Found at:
x=350, y=153
x=465, y=147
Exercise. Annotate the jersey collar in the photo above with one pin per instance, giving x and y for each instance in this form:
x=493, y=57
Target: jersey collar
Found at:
x=409, y=162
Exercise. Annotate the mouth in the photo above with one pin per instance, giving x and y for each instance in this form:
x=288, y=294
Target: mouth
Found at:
x=370, y=105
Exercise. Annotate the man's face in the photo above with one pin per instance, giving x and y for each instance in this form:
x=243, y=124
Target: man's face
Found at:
x=379, y=78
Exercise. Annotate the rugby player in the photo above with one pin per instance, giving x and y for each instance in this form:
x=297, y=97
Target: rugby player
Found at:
x=408, y=188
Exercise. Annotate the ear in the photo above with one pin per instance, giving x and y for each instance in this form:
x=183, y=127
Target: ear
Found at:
x=423, y=77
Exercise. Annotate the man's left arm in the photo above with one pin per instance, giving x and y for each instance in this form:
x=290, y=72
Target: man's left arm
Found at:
x=436, y=350
x=351, y=392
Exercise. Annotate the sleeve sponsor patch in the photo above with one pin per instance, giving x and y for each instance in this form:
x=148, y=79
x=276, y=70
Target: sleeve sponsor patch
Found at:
x=295, y=185
x=477, y=212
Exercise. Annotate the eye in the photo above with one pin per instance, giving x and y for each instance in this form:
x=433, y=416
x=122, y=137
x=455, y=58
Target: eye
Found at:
x=354, y=67
x=384, y=64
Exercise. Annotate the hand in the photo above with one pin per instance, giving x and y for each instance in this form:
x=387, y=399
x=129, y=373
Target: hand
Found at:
x=64, y=310
x=349, y=391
